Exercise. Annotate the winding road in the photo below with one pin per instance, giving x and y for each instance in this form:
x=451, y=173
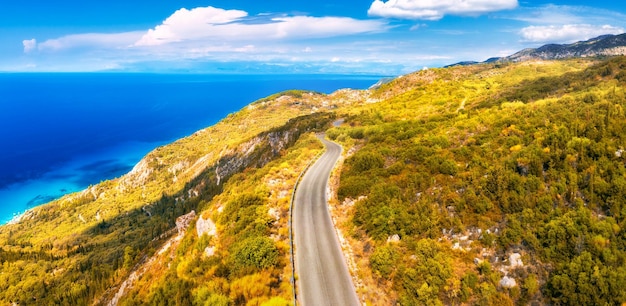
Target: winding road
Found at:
x=323, y=276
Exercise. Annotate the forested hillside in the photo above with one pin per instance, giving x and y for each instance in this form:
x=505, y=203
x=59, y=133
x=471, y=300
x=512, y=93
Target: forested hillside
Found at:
x=489, y=184
x=504, y=184
x=82, y=248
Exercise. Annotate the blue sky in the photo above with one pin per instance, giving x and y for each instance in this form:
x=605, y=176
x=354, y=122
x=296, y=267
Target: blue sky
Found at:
x=324, y=36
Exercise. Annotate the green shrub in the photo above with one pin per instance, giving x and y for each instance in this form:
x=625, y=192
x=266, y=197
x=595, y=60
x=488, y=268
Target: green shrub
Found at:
x=255, y=253
x=364, y=161
x=383, y=260
x=354, y=186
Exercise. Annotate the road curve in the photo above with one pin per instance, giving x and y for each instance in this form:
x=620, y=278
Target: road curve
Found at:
x=323, y=276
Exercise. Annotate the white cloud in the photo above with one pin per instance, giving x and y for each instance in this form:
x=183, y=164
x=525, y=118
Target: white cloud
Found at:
x=189, y=24
x=213, y=35
x=29, y=45
x=566, y=33
x=566, y=14
x=206, y=38
x=418, y=26
x=431, y=57
x=317, y=27
x=437, y=9
x=549, y=14
x=209, y=25
x=566, y=23
x=206, y=30
x=247, y=48
x=88, y=40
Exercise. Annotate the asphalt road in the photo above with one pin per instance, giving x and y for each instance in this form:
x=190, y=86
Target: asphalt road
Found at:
x=323, y=277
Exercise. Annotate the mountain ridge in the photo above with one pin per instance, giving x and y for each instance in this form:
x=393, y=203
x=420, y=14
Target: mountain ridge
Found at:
x=604, y=45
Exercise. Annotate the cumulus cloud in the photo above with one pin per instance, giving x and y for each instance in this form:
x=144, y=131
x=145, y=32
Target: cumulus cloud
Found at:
x=568, y=33
x=436, y=9
x=213, y=25
x=200, y=31
x=210, y=37
x=29, y=45
x=189, y=24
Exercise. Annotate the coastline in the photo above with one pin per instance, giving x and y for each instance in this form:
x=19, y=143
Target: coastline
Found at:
x=16, y=218
x=78, y=170
x=70, y=177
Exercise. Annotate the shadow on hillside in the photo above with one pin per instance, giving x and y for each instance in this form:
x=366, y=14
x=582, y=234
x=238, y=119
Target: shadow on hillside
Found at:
x=96, y=260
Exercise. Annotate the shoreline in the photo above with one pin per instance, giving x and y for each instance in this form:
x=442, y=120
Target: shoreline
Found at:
x=73, y=176
x=117, y=160
x=16, y=218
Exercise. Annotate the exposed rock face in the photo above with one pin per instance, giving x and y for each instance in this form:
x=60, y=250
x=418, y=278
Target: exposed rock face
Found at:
x=263, y=148
x=183, y=221
x=515, y=260
x=394, y=238
x=508, y=282
x=138, y=175
x=205, y=226
x=274, y=213
x=253, y=151
x=209, y=251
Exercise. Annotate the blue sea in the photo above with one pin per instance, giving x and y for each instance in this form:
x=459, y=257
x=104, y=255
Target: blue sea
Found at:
x=60, y=133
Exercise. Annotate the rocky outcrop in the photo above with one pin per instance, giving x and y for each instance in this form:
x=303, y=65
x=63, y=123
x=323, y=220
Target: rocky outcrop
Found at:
x=515, y=260
x=138, y=176
x=182, y=222
x=508, y=282
x=205, y=226
x=395, y=238
x=263, y=148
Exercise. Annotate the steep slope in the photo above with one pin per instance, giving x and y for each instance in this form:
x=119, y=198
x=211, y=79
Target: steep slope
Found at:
x=236, y=250
x=72, y=250
x=492, y=184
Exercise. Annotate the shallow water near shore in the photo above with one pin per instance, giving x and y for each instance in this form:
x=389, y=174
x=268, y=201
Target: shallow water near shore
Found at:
x=61, y=133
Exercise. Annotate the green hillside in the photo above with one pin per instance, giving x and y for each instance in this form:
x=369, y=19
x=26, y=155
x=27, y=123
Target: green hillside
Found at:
x=490, y=184
x=469, y=166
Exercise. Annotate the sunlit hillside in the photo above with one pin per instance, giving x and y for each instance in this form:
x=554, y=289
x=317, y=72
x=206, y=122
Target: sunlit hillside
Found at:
x=492, y=184
x=489, y=184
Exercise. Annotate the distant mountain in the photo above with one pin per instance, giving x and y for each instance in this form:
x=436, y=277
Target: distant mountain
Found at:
x=469, y=63
x=606, y=45
x=464, y=63
x=492, y=60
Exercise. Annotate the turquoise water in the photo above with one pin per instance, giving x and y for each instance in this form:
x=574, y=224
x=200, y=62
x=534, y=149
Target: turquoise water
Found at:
x=61, y=133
